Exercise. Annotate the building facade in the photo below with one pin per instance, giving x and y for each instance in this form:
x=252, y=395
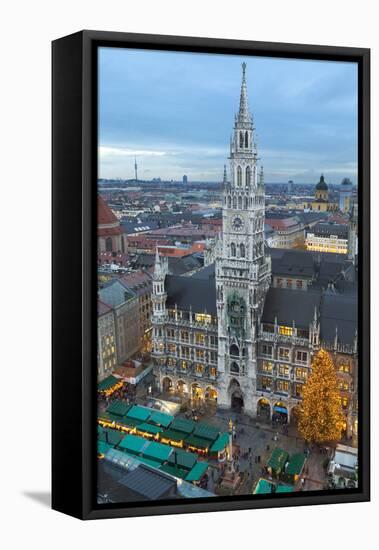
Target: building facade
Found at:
x=232, y=332
x=328, y=237
x=106, y=338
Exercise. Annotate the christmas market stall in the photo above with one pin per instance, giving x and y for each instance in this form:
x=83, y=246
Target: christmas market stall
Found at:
x=277, y=462
x=109, y=386
x=264, y=487
x=294, y=467
x=219, y=447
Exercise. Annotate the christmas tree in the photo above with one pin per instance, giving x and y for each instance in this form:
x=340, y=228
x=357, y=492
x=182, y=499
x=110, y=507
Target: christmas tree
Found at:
x=320, y=416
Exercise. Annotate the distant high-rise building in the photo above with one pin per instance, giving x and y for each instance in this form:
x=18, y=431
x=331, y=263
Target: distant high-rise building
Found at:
x=185, y=179
x=290, y=187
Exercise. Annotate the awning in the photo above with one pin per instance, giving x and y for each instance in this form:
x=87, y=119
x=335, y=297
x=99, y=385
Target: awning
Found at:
x=157, y=451
x=133, y=444
x=172, y=435
x=206, y=432
x=149, y=428
x=197, y=471
x=161, y=419
x=107, y=383
x=221, y=442
x=174, y=470
x=183, y=425
x=184, y=459
x=197, y=442
x=118, y=407
x=280, y=410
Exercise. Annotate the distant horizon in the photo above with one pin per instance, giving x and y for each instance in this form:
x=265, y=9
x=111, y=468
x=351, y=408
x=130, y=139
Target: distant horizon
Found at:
x=174, y=113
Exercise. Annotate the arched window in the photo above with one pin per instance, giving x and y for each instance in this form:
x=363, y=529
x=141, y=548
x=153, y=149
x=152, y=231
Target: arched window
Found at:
x=242, y=250
x=240, y=202
x=233, y=249
x=229, y=202
x=241, y=140
x=108, y=244
x=234, y=350
x=239, y=176
x=248, y=175
x=234, y=202
x=234, y=367
x=246, y=139
x=246, y=202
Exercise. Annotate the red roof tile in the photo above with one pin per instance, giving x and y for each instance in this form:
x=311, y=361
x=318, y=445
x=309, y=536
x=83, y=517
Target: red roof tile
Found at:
x=105, y=215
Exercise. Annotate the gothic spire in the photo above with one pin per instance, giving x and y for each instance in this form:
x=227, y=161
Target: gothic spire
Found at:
x=243, y=113
x=157, y=265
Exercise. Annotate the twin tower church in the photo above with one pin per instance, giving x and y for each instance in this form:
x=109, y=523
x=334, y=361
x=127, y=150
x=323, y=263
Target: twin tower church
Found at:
x=227, y=333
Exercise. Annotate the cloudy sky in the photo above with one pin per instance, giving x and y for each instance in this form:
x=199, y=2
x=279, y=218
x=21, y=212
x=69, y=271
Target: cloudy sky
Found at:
x=175, y=112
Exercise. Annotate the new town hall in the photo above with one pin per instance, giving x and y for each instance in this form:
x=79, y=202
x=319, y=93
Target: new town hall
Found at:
x=242, y=331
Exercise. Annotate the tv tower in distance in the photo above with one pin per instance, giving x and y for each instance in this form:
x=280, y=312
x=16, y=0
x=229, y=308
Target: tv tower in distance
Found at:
x=135, y=169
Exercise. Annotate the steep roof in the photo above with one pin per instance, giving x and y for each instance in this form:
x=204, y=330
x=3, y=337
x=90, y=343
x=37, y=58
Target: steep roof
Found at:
x=190, y=293
x=105, y=215
x=289, y=305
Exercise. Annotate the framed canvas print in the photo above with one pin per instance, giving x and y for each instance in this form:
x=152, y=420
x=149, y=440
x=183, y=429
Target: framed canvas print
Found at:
x=210, y=275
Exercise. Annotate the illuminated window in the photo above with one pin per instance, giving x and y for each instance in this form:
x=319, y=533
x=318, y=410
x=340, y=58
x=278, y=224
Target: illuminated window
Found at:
x=344, y=386
x=283, y=370
x=199, y=338
x=286, y=331
x=301, y=373
x=184, y=365
x=199, y=369
x=185, y=351
x=299, y=390
x=213, y=371
x=184, y=336
x=200, y=354
x=344, y=368
x=266, y=383
x=203, y=318
x=266, y=366
x=282, y=386
x=284, y=353
x=172, y=348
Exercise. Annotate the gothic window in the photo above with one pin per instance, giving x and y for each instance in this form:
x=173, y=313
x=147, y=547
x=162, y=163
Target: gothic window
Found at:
x=246, y=140
x=241, y=140
x=248, y=175
x=240, y=203
x=242, y=250
x=232, y=249
x=108, y=244
x=239, y=176
x=229, y=202
x=233, y=350
x=246, y=203
x=234, y=202
x=234, y=367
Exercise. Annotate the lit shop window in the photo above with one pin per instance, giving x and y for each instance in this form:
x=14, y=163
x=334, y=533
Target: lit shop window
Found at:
x=286, y=331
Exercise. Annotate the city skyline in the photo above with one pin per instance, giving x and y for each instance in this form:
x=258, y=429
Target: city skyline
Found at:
x=305, y=114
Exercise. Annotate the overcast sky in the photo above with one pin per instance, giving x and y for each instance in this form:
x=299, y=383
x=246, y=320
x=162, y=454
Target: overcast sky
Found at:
x=175, y=112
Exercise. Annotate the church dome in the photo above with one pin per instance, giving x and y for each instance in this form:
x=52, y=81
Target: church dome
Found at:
x=322, y=186
x=346, y=181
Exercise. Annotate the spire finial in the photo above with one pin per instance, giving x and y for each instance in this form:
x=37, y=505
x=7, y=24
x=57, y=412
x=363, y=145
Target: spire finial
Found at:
x=243, y=69
x=243, y=114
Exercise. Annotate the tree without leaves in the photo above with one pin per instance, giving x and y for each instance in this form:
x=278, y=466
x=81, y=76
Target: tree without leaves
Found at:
x=320, y=415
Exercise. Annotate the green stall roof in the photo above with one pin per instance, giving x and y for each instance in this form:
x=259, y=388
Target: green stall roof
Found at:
x=184, y=459
x=118, y=407
x=172, y=434
x=197, y=471
x=183, y=425
x=197, y=442
x=107, y=383
x=206, y=432
x=113, y=437
x=134, y=444
x=221, y=442
x=103, y=447
x=284, y=489
x=143, y=460
x=149, y=428
x=295, y=464
x=161, y=419
x=139, y=413
x=174, y=470
x=277, y=459
x=157, y=451
x=264, y=487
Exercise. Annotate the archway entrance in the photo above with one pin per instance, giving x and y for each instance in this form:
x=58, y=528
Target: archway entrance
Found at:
x=280, y=413
x=211, y=394
x=181, y=387
x=264, y=409
x=166, y=385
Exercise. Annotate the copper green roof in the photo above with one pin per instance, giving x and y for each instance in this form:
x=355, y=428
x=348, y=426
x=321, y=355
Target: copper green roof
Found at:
x=149, y=428
x=184, y=459
x=157, y=451
x=197, y=442
x=206, y=432
x=107, y=383
x=118, y=407
x=133, y=444
x=264, y=487
x=174, y=470
x=197, y=471
x=161, y=419
x=295, y=464
x=221, y=442
x=183, y=425
x=139, y=413
x=113, y=437
x=277, y=459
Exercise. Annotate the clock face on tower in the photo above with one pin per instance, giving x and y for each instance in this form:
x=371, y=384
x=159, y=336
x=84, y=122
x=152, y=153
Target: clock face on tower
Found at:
x=237, y=224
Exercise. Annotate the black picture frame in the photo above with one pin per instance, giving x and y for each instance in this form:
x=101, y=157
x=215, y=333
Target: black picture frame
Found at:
x=74, y=132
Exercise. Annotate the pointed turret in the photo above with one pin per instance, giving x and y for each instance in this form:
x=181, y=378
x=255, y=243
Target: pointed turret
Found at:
x=243, y=113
